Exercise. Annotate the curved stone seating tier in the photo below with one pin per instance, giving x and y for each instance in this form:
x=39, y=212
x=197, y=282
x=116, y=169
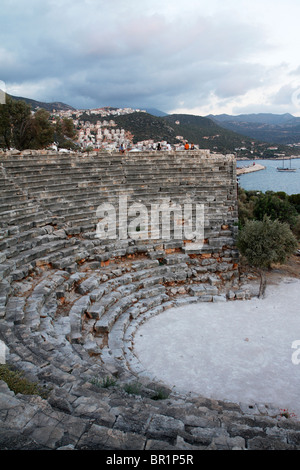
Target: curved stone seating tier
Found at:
x=71, y=303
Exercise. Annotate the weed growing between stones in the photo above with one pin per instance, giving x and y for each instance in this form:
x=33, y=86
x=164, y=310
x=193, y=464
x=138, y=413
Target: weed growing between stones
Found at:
x=284, y=413
x=160, y=395
x=134, y=388
x=19, y=384
x=104, y=383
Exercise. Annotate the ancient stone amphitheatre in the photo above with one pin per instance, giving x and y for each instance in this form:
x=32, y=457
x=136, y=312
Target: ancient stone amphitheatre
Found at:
x=71, y=303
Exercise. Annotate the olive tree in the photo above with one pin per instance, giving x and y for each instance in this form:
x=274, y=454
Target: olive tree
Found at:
x=22, y=129
x=264, y=242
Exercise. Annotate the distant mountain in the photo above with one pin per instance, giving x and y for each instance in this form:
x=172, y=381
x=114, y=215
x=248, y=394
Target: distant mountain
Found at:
x=274, y=128
x=58, y=106
x=155, y=112
x=262, y=118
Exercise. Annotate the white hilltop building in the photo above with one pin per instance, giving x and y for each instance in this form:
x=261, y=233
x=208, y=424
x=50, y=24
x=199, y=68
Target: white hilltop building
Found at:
x=102, y=134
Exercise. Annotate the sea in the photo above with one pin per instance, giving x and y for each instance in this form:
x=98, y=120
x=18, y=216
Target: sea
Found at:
x=270, y=179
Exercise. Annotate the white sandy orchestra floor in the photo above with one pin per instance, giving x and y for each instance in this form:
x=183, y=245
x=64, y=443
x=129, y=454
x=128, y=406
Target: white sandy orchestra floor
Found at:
x=242, y=351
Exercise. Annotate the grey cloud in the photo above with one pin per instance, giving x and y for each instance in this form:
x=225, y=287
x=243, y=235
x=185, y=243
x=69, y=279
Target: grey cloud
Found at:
x=296, y=71
x=284, y=95
x=88, y=53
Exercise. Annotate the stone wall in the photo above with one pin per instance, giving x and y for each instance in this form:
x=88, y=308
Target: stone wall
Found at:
x=70, y=303
x=65, y=191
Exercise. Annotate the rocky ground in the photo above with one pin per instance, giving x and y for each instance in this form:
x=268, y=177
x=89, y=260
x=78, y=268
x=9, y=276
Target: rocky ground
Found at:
x=80, y=415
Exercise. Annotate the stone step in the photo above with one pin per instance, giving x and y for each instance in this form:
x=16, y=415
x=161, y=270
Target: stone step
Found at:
x=106, y=321
x=33, y=219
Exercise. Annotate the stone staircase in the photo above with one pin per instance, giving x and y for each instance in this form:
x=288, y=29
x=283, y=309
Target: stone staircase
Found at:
x=70, y=305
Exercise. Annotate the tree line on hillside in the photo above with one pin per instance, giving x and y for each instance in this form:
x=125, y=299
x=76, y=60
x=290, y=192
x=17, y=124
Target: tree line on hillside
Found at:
x=254, y=205
x=22, y=129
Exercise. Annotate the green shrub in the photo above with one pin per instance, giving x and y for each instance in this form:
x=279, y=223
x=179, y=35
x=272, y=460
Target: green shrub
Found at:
x=296, y=228
x=16, y=382
x=160, y=395
x=264, y=242
x=133, y=388
x=295, y=200
x=276, y=208
x=104, y=383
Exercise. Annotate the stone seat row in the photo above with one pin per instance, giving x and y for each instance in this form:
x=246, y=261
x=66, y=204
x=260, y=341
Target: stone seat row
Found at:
x=103, y=163
x=43, y=243
x=108, y=166
x=102, y=302
x=114, y=156
x=70, y=305
x=110, y=172
x=49, y=201
x=84, y=179
x=32, y=311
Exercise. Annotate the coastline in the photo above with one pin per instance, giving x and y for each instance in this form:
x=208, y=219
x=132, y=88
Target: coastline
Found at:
x=292, y=157
x=250, y=169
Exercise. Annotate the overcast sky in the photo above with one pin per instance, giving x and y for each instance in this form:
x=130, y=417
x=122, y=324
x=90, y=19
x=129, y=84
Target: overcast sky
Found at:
x=187, y=56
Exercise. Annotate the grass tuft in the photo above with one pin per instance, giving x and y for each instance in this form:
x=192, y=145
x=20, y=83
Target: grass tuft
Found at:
x=16, y=382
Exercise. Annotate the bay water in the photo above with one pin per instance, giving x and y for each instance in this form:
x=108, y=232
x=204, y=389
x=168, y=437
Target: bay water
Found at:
x=270, y=179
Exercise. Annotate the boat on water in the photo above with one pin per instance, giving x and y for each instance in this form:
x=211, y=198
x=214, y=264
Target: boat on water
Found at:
x=286, y=169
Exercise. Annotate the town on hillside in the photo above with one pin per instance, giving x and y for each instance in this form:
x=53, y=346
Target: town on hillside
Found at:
x=126, y=129
x=96, y=129
x=104, y=133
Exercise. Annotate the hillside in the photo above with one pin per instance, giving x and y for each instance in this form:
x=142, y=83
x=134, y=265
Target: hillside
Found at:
x=206, y=133
x=276, y=129
x=245, y=135
x=40, y=104
x=199, y=130
x=202, y=131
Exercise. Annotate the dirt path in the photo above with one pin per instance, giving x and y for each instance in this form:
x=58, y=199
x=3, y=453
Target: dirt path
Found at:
x=290, y=269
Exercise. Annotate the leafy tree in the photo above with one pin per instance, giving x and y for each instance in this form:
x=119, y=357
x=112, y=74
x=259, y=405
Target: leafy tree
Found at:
x=89, y=149
x=42, y=132
x=281, y=195
x=21, y=129
x=5, y=124
x=14, y=123
x=64, y=133
x=20, y=116
x=295, y=200
x=296, y=228
x=264, y=242
x=276, y=208
x=246, y=203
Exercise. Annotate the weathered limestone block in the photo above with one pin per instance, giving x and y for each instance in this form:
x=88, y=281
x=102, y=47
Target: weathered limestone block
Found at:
x=221, y=241
x=76, y=317
x=103, y=438
x=15, y=309
x=164, y=427
x=204, y=289
x=96, y=310
x=88, y=285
